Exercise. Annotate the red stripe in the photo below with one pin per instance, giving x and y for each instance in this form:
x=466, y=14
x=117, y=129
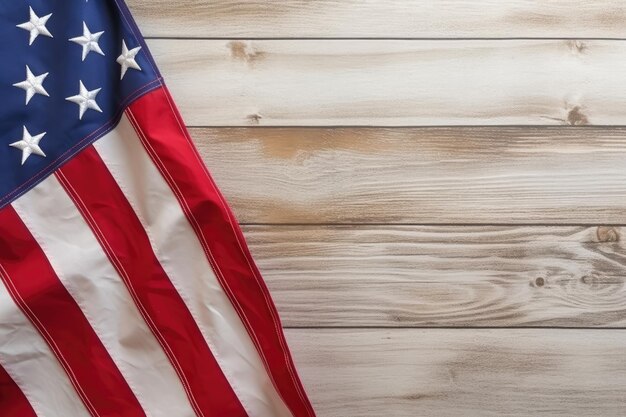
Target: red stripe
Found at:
x=170, y=147
x=37, y=290
x=123, y=238
x=13, y=402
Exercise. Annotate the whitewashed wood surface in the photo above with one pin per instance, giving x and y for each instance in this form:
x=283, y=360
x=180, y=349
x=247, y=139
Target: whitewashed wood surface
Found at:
x=444, y=276
x=381, y=18
x=438, y=175
x=463, y=372
x=396, y=82
x=434, y=190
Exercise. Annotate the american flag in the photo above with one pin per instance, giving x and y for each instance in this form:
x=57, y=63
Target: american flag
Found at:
x=127, y=287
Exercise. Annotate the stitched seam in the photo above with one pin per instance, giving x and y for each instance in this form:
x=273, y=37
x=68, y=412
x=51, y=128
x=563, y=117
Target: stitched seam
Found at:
x=82, y=207
x=108, y=126
x=24, y=388
x=277, y=327
x=80, y=304
x=44, y=332
x=189, y=304
x=276, y=321
x=216, y=269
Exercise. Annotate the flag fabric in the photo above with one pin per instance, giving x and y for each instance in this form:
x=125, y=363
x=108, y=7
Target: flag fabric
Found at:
x=127, y=287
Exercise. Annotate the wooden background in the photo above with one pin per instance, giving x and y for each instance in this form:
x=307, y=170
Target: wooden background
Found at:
x=435, y=191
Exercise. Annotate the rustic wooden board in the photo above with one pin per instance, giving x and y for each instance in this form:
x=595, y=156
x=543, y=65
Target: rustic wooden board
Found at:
x=396, y=83
x=421, y=175
x=380, y=18
x=385, y=276
x=337, y=286
x=435, y=372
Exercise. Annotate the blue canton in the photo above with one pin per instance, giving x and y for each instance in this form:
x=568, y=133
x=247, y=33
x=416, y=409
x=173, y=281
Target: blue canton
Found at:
x=68, y=69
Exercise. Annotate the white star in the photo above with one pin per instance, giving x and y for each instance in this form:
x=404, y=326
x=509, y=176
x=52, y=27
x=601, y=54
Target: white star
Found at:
x=29, y=145
x=86, y=100
x=89, y=41
x=32, y=84
x=36, y=26
x=127, y=59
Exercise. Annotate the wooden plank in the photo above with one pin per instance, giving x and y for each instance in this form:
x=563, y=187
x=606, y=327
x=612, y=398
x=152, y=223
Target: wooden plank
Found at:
x=385, y=276
x=423, y=175
x=396, y=83
x=434, y=372
x=380, y=18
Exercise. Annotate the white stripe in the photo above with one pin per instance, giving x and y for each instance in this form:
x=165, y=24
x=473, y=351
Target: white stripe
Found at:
x=84, y=269
x=28, y=359
x=182, y=257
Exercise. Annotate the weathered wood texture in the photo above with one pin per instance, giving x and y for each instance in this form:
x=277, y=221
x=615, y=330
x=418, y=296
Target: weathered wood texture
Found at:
x=502, y=250
x=396, y=83
x=383, y=276
x=409, y=373
x=380, y=18
x=421, y=175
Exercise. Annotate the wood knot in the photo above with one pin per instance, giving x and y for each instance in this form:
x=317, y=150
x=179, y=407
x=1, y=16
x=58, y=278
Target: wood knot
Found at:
x=254, y=119
x=575, y=117
x=608, y=234
x=243, y=51
x=540, y=282
x=587, y=280
x=414, y=397
x=577, y=46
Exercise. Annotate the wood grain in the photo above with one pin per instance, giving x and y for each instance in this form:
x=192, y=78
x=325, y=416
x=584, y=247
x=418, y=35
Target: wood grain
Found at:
x=385, y=276
x=396, y=83
x=328, y=211
x=423, y=175
x=380, y=18
x=409, y=372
